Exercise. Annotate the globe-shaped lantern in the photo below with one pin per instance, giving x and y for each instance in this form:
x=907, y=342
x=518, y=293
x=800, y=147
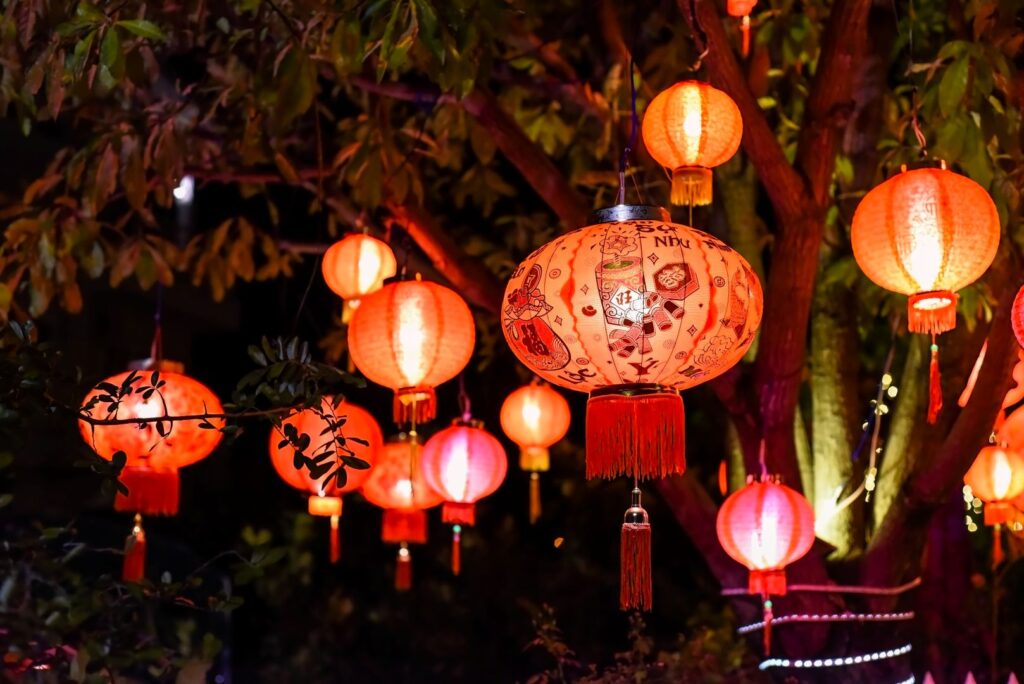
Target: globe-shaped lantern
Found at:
x=154, y=450
x=766, y=526
x=1017, y=317
x=356, y=266
x=997, y=477
x=398, y=486
x=463, y=463
x=411, y=336
x=632, y=309
x=690, y=128
x=535, y=417
x=330, y=431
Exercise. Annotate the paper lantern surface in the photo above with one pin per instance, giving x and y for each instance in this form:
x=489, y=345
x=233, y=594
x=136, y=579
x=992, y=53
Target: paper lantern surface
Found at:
x=535, y=417
x=464, y=463
x=766, y=526
x=997, y=474
x=1017, y=317
x=396, y=482
x=357, y=265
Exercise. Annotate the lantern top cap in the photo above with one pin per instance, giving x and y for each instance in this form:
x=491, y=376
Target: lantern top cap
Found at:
x=629, y=212
x=468, y=422
x=764, y=478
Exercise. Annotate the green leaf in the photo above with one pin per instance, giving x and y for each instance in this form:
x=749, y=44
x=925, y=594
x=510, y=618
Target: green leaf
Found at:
x=953, y=86
x=296, y=86
x=425, y=16
x=387, y=42
x=143, y=29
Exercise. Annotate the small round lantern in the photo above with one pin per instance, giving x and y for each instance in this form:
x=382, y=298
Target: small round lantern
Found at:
x=411, y=336
x=463, y=463
x=398, y=486
x=926, y=233
x=1017, y=317
x=359, y=436
x=766, y=526
x=154, y=450
x=742, y=9
x=535, y=417
x=356, y=266
x=690, y=128
x=997, y=477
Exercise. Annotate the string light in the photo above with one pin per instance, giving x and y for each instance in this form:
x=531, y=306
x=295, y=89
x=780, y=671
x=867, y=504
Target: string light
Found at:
x=838, y=617
x=909, y=680
x=815, y=663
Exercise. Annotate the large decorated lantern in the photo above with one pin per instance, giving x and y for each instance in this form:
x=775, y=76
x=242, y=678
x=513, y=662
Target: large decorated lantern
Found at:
x=926, y=233
x=154, y=450
x=535, y=417
x=632, y=309
x=690, y=128
x=398, y=485
x=411, y=336
x=463, y=463
x=766, y=526
x=331, y=430
x=356, y=266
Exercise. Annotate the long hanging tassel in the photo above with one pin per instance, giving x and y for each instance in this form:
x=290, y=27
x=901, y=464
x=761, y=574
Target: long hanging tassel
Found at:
x=635, y=585
x=456, y=549
x=767, y=626
x=134, y=568
x=335, y=539
x=534, y=497
x=997, y=546
x=403, y=569
x=745, y=32
x=934, y=385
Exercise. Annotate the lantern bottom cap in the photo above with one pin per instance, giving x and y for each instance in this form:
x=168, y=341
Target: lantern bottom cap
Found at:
x=404, y=527
x=999, y=513
x=691, y=186
x=324, y=505
x=767, y=582
x=535, y=459
x=932, y=313
x=456, y=513
x=150, y=491
x=637, y=431
x=414, y=405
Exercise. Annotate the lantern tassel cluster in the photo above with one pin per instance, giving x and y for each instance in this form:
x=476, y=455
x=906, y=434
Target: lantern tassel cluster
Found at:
x=934, y=384
x=134, y=567
x=636, y=430
x=635, y=580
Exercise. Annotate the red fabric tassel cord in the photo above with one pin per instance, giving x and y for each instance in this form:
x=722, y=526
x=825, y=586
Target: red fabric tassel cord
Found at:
x=639, y=435
x=414, y=405
x=134, y=567
x=151, y=492
x=335, y=539
x=404, y=526
x=745, y=33
x=456, y=550
x=934, y=386
x=765, y=582
x=403, y=570
x=635, y=584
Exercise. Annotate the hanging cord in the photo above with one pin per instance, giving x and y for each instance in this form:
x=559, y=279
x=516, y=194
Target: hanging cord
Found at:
x=464, y=404
x=633, y=130
x=915, y=123
x=762, y=461
x=156, y=349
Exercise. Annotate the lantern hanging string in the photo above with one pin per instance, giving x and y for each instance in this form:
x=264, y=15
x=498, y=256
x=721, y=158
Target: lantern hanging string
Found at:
x=634, y=127
x=760, y=452
x=464, y=404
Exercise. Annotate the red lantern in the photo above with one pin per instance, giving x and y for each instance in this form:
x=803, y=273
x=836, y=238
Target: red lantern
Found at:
x=926, y=233
x=742, y=9
x=997, y=477
x=153, y=460
x=463, y=463
x=412, y=336
x=535, y=417
x=356, y=266
x=398, y=486
x=326, y=501
x=766, y=526
x=1017, y=317
x=690, y=128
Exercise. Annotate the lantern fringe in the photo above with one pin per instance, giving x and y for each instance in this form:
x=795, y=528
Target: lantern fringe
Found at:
x=931, y=313
x=414, y=405
x=934, y=386
x=134, y=567
x=635, y=582
x=998, y=512
x=765, y=582
x=150, y=491
x=456, y=513
x=535, y=504
x=324, y=506
x=745, y=33
x=456, y=550
x=335, y=539
x=641, y=436
x=691, y=186
x=403, y=570
x=404, y=526
x=536, y=459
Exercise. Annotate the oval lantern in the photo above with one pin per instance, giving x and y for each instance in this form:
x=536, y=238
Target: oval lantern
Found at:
x=356, y=266
x=152, y=459
x=997, y=477
x=411, y=336
x=463, y=463
x=1017, y=317
x=926, y=233
x=325, y=500
x=766, y=526
x=690, y=128
x=398, y=486
x=535, y=417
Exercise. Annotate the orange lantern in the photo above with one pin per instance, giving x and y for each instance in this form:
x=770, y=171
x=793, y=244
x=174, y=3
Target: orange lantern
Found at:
x=326, y=448
x=535, y=417
x=997, y=477
x=926, y=233
x=690, y=128
x=742, y=9
x=412, y=336
x=766, y=526
x=356, y=266
x=1017, y=317
x=153, y=459
x=398, y=486
x=463, y=463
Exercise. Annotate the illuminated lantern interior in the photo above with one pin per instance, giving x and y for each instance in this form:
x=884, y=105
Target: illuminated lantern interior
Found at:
x=356, y=266
x=996, y=477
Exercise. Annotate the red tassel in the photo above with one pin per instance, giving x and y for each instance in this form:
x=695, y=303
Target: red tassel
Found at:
x=932, y=313
x=635, y=430
x=635, y=583
x=414, y=405
x=745, y=32
x=997, y=546
x=767, y=626
x=723, y=477
x=767, y=582
x=456, y=513
x=404, y=526
x=335, y=539
x=456, y=550
x=403, y=570
x=134, y=567
x=934, y=386
x=150, y=491
x=534, y=498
